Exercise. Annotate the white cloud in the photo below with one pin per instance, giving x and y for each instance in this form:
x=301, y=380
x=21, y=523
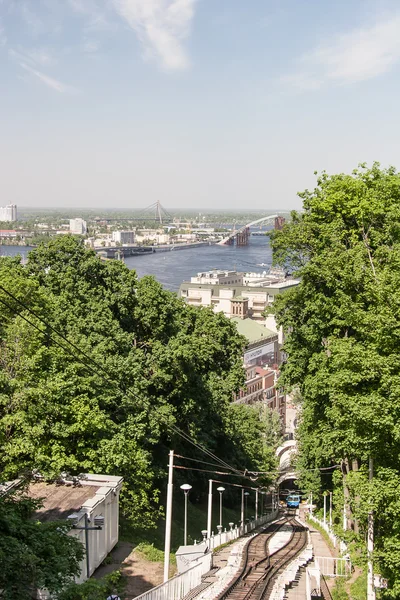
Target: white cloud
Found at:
x=55, y=84
x=161, y=26
x=359, y=55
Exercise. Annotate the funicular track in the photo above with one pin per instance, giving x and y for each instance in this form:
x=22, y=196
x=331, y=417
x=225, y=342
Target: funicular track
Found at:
x=260, y=569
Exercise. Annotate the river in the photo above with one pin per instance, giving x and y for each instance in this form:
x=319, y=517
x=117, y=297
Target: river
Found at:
x=171, y=268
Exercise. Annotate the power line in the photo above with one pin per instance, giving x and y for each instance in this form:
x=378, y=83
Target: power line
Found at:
x=199, y=460
x=100, y=369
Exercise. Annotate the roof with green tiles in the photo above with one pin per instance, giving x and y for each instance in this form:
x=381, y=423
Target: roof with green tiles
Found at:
x=253, y=331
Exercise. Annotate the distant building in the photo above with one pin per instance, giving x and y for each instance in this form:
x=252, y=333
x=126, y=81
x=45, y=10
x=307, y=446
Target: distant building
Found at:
x=260, y=360
x=77, y=226
x=8, y=233
x=224, y=290
x=216, y=277
x=8, y=213
x=125, y=238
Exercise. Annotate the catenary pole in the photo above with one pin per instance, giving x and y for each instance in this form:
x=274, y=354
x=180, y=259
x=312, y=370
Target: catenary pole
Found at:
x=242, y=509
x=370, y=540
x=168, y=520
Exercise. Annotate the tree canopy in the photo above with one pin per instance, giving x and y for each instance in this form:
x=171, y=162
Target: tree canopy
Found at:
x=342, y=327
x=33, y=555
x=142, y=363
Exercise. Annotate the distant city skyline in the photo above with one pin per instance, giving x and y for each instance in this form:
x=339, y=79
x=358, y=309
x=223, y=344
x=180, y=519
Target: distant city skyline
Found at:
x=195, y=103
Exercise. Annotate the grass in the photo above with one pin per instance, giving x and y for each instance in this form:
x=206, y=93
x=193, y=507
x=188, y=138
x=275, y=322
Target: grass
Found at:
x=197, y=520
x=152, y=554
x=358, y=589
x=322, y=531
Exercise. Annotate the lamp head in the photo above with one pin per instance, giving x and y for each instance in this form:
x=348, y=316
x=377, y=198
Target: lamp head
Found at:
x=220, y=489
x=186, y=487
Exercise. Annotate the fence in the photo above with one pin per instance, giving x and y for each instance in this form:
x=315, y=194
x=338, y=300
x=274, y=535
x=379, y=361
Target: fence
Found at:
x=177, y=587
x=333, y=567
x=224, y=537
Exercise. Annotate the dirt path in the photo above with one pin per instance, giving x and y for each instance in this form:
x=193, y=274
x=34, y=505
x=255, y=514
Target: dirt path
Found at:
x=141, y=574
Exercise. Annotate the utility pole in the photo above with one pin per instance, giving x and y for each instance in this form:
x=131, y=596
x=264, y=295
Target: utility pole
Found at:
x=209, y=510
x=370, y=540
x=168, y=520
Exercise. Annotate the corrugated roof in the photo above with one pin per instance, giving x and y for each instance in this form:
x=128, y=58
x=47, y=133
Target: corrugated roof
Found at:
x=252, y=330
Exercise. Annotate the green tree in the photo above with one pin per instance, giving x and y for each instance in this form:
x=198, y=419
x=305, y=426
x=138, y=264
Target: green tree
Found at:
x=33, y=555
x=150, y=362
x=342, y=328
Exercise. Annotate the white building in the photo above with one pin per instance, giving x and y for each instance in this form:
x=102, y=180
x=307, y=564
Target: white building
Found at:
x=217, y=277
x=77, y=226
x=8, y=213
x=125, y=238
x=96, y=496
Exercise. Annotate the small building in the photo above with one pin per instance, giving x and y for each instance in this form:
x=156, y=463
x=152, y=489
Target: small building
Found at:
x=96, y=496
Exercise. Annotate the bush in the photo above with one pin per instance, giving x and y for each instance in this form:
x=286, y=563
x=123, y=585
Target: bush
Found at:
x=95, y=589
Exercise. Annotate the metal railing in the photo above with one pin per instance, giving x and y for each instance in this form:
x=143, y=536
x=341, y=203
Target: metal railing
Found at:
x=177, y=587
x=333, y=567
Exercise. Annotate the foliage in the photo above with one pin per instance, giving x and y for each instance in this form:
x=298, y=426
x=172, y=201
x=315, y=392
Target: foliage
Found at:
x=343, y=330
x=149, y=552
x=143, y=361
x=95, y=589
x=358, y=589
x=339, y=590
x=33, y=555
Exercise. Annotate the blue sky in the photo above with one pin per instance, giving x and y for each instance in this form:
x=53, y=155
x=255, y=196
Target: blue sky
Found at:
x=196, y=103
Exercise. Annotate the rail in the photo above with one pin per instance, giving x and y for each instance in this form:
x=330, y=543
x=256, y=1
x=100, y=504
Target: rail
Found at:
x=179, y=586
x=325, y=593
x=260, y=568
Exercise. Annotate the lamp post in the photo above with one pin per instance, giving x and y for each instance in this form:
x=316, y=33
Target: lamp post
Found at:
x=98, y=524
x=246, y=495
x=256, y=516
x=330, y=510
x=324, y=509
x=221, y=491
x=186, y=489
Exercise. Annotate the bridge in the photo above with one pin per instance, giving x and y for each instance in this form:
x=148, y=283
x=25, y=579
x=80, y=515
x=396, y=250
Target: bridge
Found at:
x=285, y=453
x=242, y=235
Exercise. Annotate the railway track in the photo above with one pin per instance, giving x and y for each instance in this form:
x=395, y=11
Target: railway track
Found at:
x=260, y=569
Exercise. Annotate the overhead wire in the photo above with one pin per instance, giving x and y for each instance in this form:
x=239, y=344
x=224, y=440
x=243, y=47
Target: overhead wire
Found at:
x=106, y=378
x=101, y=369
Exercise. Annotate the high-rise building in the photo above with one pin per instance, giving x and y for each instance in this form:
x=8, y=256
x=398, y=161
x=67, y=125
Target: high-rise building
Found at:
x=8, y=213
x=77, y=226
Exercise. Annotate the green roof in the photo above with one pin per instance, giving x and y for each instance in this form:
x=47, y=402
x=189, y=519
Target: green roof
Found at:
x=252, y=330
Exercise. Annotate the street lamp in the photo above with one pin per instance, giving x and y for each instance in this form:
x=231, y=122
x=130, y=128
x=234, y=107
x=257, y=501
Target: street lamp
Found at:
x=221, y=491
x=246, y=495
x=186, y=489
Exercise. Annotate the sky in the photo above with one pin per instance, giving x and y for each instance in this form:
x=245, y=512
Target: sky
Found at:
x=225, y=104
